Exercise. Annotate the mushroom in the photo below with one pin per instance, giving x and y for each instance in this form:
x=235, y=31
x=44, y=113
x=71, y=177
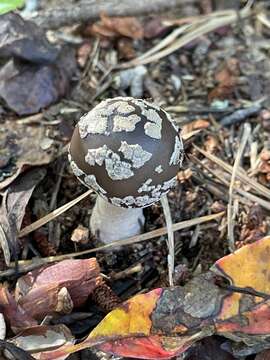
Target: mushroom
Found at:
x=129, y=151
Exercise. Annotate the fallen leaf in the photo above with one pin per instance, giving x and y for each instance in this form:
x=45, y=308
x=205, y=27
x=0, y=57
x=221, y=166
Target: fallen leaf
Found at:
x=10, y=349
x=253, y=260
x=102, y=30
x=26, y=89
x=118, y=26
x=195, y=125
x=126, y=26
x=40, y=292
x=42, y=338
x=166, y=322
x=248, y=269
x=12, y=210
x=24, y=39
x=46, y=300
x=23, y=153
x=151, y=347
x=227, y=79
x=14, y=314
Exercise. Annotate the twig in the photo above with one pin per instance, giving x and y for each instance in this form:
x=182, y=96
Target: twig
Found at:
x=202, y=26
x=127, y=272
x=246, y=290
x=90, y=10
x=230, y=213
x=241, y=174
x=244, y=194
x=28, y=265
x=263, y=19
x=170, y=241
x=240, y=115
x=54, y=214
x=51, y=237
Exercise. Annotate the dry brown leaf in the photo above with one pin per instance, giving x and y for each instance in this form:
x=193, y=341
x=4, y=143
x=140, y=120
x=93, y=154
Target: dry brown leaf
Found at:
x=14, y=314
x=126, y=26
x=40, y=293
x=46, y=300
x=111, y=27
x=22, y=142
x=195, y=125
x=211, y=144
x=227, y=80
x=102, y=30
x=13, y=207
x=83, y=53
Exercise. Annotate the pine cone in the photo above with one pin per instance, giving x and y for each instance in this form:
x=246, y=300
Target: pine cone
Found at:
x=105, y=298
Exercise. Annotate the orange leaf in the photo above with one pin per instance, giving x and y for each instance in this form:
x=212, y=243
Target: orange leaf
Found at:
x=131, y=318
x=146, y=325
x=248, y=267
x=151, y=347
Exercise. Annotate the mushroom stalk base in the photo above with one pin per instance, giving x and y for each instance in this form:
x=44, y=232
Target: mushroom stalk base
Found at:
x=112, y=223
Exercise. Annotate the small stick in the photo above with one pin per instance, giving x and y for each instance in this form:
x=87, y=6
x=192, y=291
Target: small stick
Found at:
x=230, y=213
x=241, y=174
x=240, y=115
x=28, y=265
x=54, y=214
x=170, y=240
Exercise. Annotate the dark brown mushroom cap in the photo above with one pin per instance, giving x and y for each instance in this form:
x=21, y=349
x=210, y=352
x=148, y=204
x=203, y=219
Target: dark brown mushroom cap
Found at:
x=127, y=150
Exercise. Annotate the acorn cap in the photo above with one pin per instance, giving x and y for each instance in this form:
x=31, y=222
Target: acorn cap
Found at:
x=127, y=150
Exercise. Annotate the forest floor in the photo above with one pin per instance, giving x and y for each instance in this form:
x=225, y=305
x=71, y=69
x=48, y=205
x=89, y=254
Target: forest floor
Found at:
x=211, y=73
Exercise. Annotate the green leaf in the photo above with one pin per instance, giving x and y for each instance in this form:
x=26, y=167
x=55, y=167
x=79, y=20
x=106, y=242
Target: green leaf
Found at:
x=9, y=5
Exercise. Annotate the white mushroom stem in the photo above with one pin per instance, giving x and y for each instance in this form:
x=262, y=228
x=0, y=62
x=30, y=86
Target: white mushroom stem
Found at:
x=111, y=223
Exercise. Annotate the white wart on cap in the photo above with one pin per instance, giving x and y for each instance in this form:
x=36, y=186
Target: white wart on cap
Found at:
x=127, y=150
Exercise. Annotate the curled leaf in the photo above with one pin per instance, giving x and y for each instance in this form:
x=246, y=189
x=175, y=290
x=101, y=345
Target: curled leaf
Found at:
x=57, y=287
x=42, y=338
x=13, y=313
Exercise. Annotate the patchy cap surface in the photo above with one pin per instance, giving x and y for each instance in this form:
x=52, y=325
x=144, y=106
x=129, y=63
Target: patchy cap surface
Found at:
x=127, y=150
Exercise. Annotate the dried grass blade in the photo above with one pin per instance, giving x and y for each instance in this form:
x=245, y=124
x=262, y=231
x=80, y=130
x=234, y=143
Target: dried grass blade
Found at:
x=197, y=29
x=241, y=174
x=170, y=240
x=51, y=216
x=230, y=212
x=32, y=264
